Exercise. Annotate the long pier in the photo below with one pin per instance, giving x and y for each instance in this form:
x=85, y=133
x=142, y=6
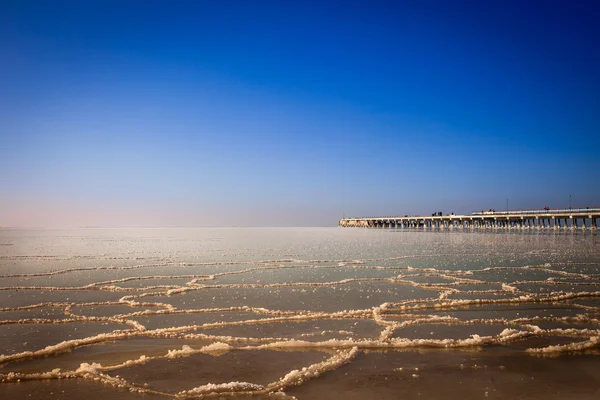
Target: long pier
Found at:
x=571, y=218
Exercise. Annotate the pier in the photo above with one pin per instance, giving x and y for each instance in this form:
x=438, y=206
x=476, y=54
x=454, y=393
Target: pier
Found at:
x=571, y=218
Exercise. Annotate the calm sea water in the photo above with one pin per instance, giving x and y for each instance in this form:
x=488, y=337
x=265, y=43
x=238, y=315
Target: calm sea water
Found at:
x=306, y=313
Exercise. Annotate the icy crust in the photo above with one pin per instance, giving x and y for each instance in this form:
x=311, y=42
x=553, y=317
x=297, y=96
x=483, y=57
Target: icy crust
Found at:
x=297, y=377
x=85, y=371
x=473, y=340
x=95, y=371
x=390, y=316
x=220, y=388
x=66, y=345
x=593, y=342
x=214, y=349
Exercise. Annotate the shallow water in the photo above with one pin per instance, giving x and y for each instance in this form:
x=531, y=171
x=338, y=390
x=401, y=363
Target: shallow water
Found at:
x=311, y=313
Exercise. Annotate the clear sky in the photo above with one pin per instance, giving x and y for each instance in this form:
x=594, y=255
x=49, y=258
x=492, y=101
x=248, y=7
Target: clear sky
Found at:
x=171, y=113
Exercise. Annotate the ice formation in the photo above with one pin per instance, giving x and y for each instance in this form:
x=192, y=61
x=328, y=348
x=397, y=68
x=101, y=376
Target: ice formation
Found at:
x=441, y=294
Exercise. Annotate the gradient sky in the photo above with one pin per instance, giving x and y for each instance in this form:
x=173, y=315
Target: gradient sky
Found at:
x=172, y=113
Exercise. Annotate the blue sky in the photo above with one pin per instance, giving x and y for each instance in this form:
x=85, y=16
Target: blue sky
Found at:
x=152, y=113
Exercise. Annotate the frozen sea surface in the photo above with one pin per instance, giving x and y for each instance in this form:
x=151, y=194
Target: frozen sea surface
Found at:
x=306, y=313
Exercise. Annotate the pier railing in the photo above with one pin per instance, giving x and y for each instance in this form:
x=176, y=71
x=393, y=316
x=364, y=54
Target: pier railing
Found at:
x=542, y=211
x=594, y=210
x=558, y=218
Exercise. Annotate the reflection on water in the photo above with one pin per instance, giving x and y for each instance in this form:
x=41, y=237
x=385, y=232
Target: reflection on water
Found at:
x=313, y=313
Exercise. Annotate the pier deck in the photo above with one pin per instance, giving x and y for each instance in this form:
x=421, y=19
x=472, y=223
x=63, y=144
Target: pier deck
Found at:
x=575, y=218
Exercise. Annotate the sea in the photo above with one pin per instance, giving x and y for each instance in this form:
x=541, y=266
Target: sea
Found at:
x=299, y=313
